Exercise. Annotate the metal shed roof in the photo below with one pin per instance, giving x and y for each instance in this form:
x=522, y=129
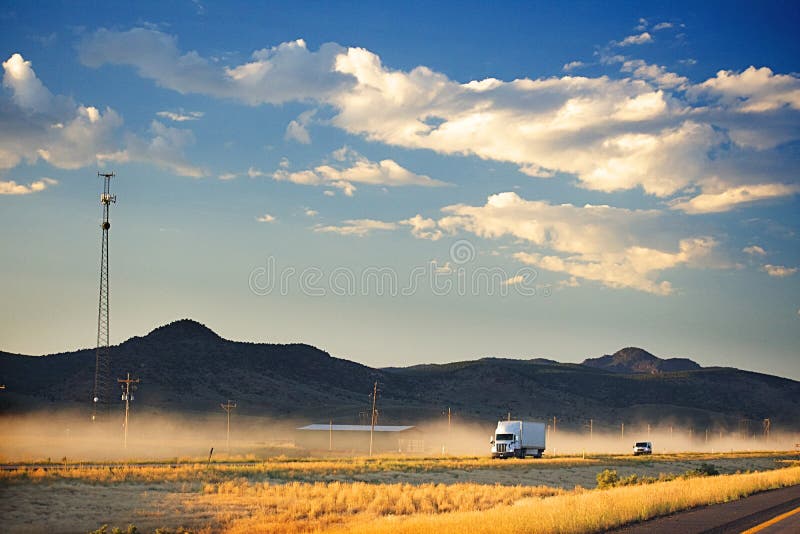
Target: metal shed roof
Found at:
x=355, y=428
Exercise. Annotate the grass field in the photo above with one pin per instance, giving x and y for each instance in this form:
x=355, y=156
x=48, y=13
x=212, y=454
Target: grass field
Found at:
x=387, y=493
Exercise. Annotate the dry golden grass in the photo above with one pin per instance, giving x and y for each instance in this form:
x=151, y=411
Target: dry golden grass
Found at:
x=387, y=494
x=301, y=507
x=587, y=511
x=275, y=468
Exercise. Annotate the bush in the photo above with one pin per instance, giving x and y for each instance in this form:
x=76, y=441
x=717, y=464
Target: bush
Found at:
x=607, y=478
x=705, y=470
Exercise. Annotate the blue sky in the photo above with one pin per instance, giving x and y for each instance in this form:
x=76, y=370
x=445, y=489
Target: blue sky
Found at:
x=440, y=182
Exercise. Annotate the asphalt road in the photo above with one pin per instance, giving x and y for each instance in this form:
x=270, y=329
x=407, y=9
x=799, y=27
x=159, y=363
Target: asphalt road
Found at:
x=770, y=512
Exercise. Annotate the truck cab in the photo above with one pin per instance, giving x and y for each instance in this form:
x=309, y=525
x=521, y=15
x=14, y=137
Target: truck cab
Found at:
x=642, y=447
x=518, y=439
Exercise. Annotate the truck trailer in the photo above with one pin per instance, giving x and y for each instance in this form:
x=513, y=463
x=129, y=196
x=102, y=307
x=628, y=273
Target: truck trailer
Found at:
x=518, y=439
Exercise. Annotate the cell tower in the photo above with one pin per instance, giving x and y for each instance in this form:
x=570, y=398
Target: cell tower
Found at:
x=102, y=370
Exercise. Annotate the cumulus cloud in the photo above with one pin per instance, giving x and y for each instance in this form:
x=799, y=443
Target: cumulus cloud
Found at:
x=37, y=125
x=297, y=129
x=655, y=73
x=653, y=129
x=310, y=212
x=351, y=167
x=423, y=228
x=779, y=271
x=613, y=246
x=164, y=148
x=754, y=250
x=662, y=26
x=357, y=227
x=638, y=39
x=287, y=72
x=181, y=116
x=11, y=187
x=28, y=91
x=616, y=247
x=753, y=90
x=266, y=218
x=572, y=65
x=728, y=199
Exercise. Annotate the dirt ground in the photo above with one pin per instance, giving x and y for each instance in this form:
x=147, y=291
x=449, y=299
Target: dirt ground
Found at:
x=71, y=506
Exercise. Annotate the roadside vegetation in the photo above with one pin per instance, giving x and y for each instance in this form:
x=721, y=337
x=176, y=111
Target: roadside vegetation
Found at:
x=314, y=469
x=583, y=511
x=390, y=493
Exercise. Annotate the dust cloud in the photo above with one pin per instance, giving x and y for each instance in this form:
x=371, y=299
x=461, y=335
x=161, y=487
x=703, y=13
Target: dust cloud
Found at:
x=55, y=436
x=73, y=437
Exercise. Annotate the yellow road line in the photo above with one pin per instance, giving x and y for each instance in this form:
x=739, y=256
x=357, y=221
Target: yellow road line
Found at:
x=776, y=519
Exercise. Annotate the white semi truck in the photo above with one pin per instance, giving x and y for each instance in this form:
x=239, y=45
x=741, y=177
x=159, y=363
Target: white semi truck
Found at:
x=518, y=439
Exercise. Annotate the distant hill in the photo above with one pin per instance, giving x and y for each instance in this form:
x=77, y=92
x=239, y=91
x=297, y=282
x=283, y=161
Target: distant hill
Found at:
x=636, y=360
x=186, y=367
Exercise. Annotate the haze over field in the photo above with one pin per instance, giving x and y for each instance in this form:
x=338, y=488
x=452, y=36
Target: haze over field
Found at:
x=72, y=437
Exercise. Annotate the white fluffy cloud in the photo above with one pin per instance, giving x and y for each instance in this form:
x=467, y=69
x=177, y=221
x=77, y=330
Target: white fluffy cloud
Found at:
x=181, y=116
x=728, y=199
x=28, y=91
x=754, y=250
x=423, y=228
x=638, y=39
x=572, y=65
x=357, y=227
x=616, y=247
x=297, y=130
x=35, y=124
x=351, y=167
x=779, y=271
x=266, y=218
x=287, y=72
x=13, y=188
x=165, y=149
x=753, y=90
x=653, y=130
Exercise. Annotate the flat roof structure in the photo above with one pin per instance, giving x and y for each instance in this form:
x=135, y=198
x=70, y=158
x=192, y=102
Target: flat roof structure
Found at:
x=355, y=428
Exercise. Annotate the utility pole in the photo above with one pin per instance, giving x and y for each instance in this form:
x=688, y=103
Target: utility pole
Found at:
x=102, y=368
x=372, y=421
x=330, y=436
x=554, y=426
x=591, y=430
x=446, y=446
x=648, y=430
x=228, y=407
x=623, y=431
x=128, y=387
x=449, y=415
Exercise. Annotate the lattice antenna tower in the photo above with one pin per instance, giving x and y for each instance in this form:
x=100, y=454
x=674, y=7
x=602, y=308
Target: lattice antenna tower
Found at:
x=102, y=370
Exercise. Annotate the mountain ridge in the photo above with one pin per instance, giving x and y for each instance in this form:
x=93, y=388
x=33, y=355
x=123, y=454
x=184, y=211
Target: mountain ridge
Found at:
x=186, y=366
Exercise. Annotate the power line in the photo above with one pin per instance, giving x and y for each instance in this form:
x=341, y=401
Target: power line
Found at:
x=128, y=387
x=102, y=369
x=374, y=414
x=228, y=407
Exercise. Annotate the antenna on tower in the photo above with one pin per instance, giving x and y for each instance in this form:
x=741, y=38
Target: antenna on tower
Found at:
x=102, y=370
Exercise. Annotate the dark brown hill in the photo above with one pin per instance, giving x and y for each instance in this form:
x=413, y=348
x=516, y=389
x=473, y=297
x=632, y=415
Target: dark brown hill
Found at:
x=636, y=360
x=186, y=367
